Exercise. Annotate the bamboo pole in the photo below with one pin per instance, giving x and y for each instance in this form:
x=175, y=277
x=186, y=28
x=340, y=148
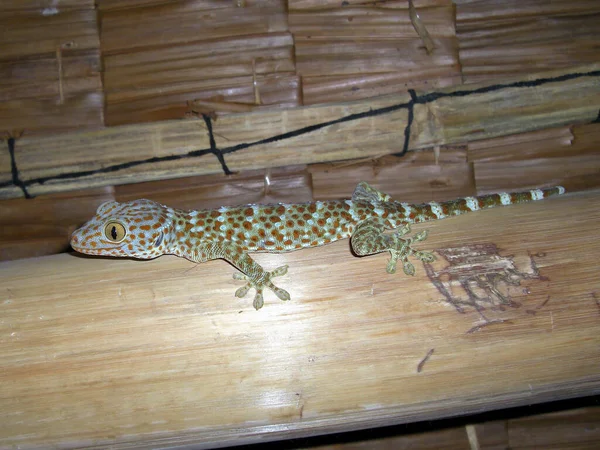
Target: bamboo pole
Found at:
x=135, y=354
x=365, y=128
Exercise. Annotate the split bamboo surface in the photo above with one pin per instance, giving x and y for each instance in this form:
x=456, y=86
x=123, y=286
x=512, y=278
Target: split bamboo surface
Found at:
x=104, y=352
x=364, y=128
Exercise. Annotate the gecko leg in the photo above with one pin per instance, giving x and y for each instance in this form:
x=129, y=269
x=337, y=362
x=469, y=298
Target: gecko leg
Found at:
x=252, y=272
x=260, y=284
x=369, y=238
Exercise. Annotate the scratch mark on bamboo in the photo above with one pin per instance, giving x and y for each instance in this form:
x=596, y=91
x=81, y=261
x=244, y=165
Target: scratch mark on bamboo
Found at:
x=424, y=360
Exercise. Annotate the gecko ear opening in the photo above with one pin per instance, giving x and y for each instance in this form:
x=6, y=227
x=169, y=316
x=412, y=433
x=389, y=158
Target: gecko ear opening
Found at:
x=106, y=207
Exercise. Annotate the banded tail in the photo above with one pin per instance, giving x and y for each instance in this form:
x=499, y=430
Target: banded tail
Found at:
x=434, y=210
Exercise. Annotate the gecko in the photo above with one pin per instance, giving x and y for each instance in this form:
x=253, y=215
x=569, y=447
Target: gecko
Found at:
x=145, y=229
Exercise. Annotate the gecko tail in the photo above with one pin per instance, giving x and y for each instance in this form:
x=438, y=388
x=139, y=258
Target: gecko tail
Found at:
x=467, y=204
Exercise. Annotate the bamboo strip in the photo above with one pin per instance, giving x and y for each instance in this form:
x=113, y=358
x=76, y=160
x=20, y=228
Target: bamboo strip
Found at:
x=44, y=7
x=172, y=101
x=345, y=57
x=498, y=39
x=130, y=354
x=180, y=22
x=21, y=32
x=316, y=5
x=305, y=135
x=80, y=111
x=482, y=10
x=414, y=178
x=345, y=88
x=213, y=60
x=365, y=23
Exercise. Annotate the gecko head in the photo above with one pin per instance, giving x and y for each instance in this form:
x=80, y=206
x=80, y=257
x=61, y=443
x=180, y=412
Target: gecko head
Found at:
x=138, y=229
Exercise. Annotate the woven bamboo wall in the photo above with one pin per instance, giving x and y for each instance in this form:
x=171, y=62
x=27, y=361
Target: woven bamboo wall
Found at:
x=77, y=65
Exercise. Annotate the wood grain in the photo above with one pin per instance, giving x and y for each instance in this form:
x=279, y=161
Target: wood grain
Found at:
x=100, y=351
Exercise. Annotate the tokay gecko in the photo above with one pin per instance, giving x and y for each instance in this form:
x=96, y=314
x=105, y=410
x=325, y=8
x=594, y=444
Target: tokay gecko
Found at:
x=146, y=229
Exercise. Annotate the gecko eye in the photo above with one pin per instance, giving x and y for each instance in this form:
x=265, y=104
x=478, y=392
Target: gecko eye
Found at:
x=114, y=232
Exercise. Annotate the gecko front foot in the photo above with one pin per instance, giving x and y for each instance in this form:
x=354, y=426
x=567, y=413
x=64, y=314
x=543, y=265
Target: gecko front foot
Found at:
x=260, y=284
x=401, y=250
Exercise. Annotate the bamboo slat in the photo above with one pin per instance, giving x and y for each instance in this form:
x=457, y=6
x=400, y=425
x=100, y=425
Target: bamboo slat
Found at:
x=179, y=22
x=502, y=38
x=38, y=78
x=49, y=67
x=369, y=22
x=161, y=56
x=104, y=352
x=356, y=51
x=316, y=5
x=480, y=10
x=203, y=60
x=158, y=103
x=374, y=56
x=345, y=88
x=414, y=178
x=45, y=117
x=568, y=157
x=42, y=6
x=21, y=35
x=367, y=128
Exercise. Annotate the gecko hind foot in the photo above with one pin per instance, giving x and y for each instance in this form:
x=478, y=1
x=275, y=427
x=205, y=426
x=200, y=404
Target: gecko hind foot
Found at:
x=259, y=285
x=402, y=249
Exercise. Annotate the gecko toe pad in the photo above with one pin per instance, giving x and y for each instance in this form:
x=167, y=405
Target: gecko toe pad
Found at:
x=260, y=284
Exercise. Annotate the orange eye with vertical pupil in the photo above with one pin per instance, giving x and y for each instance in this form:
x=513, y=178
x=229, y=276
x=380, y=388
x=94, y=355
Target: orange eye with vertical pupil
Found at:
x=114, y=232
